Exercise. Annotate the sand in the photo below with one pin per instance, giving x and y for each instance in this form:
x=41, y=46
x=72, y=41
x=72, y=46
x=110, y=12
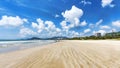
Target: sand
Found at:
x=66, y=54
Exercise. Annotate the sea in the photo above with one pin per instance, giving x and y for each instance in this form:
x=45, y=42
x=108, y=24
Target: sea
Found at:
x=9, y=46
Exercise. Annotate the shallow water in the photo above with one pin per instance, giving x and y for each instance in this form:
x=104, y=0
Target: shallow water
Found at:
x=8, y=46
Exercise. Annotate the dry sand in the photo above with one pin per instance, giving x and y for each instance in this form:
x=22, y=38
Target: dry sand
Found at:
x=66, y=54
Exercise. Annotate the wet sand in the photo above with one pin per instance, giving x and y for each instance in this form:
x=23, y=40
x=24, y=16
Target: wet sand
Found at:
x=66, y=54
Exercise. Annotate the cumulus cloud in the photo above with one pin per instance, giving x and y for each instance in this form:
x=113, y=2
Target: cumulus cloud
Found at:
x=70, y=34
x=64, y=25
x=12, y=21
x=73, y=13
x=104, y=27
x=27, y=32
x=116, y=23
x=40, y=26
x=49, y=29
x=46, y=28
x=73, y=34
x=87, y=30
x=84, y=23
x=72, y=18
x=50, y=25
x=107, y=3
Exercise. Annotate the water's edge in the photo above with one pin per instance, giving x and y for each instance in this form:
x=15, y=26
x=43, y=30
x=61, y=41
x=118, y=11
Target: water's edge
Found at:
x=9, y=46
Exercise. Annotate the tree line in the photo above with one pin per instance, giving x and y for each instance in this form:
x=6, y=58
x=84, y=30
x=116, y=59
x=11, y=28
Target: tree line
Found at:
x=112, y=35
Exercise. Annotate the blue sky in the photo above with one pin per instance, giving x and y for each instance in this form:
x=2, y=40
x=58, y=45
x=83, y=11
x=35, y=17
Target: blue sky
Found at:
x=49, y=18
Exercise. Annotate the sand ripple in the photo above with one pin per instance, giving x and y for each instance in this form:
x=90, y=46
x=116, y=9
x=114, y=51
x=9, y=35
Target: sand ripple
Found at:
x=72, y=54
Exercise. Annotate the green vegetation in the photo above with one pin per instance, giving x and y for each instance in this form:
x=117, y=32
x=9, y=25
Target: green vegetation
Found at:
x=112, y=35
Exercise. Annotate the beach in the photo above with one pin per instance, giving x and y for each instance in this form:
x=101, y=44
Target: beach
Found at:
x=66, y=54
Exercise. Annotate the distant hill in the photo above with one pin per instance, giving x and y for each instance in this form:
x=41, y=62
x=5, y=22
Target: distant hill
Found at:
x=57, y=38
x=52, y=38
x=34, y=38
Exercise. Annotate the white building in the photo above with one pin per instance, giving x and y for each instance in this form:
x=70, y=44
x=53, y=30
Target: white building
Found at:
x=98, y=34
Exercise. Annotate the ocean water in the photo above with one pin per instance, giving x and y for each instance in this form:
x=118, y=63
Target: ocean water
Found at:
x=9, y=46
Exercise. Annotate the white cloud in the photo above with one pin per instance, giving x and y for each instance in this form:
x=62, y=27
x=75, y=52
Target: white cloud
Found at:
x=34, y=25
x=73, y=13
x=70, y=34
x=40, y=26
x=50, y=25
x=91, y=25
x=46, y=28
x=27, y=32
x=58, y=30
x=112, y=5
x=72, y=17
x=84, y=23
x=73, y=34
x=50, y=30
x=99, y=22
x=116, y=23
x=64, y=25
x=104, y=27
x=84, y=2
x=44, y=25
x=12, y=21
x=107, y=3
x=103, y=32
x=56, y=15
x=77, y=22
x=87, y=30
x=96, y=24
x=113, y=30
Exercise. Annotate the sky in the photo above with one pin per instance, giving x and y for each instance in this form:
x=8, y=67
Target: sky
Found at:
x=53, y=18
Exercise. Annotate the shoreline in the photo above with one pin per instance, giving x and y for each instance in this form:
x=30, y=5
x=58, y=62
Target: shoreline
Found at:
x=11, y=46
x=66, y=54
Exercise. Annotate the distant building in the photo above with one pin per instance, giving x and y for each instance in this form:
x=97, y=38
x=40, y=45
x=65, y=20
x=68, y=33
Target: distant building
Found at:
x=113, y=34
x=98, y=34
